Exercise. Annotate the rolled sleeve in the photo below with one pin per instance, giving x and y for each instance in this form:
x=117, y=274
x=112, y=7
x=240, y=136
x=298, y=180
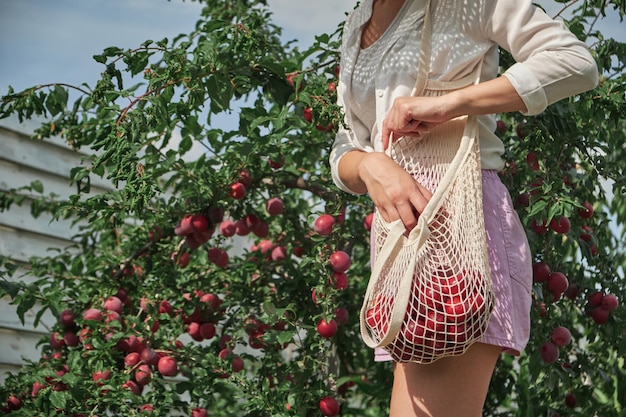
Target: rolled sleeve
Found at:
x=528, y=87
x=344, y=142
x=551, y=63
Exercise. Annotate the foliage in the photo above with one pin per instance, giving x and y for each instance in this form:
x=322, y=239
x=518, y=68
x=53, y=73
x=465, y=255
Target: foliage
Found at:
x=152, y=127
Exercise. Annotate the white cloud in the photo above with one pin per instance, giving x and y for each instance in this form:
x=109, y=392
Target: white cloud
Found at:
x=305, y=19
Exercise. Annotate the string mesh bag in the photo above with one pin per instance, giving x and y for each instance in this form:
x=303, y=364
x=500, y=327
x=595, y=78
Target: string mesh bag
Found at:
x=430, y=293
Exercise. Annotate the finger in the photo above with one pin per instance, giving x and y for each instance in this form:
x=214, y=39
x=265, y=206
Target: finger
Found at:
x=384, y=214
x=387, y=137
x=407, y=214
x=420, y=198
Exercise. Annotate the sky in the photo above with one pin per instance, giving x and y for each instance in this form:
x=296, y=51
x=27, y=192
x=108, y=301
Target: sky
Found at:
x=43, y=41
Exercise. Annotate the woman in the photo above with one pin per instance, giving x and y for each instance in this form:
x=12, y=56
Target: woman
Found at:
x=379, y=64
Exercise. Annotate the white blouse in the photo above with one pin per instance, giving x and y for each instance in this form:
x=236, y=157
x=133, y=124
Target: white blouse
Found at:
x=551, y=64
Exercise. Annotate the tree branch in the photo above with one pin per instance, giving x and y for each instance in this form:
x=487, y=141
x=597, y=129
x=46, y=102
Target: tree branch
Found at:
x=302, y=184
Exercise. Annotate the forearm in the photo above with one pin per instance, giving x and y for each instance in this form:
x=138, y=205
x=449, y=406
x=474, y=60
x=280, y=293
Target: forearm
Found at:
x=348, y=171
x=494, y=96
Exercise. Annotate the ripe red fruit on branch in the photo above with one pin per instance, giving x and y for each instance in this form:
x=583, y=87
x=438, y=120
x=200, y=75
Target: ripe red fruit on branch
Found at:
x=66, y=319
x=329, y=406
x=183, y=228
x=610, y=302
x=228, y=228
x=198, y=412
x=193, y=329
x=132, y=359
x=14, y=403
x=367, y=222
x=241, y=229
x=600, y=315
x=292, y=80
x=339, y=280
x=207, y=330
x=155, y=233
x=561, y=336
x=501, y=127
x=595, y=299
x=339, y=261
x=113, y=304
x=324, y=224
x=237, y=190
x=71, y=338
x=237, y=364
x=532, y=161
x=199, y=223
x=570, y=400
x=560, y=225
x=327, y=329
x=586, y=233
x=143, y=374
x=262, y=229
x=92, y=314
x=539, y=227
x=274, y=206
x=308, y=114
x=541, y=272
x=279, y=253
x=56, y=341
x=549, y=352
x=572, y=291
x=244, y=178
x=167, y=366
x=149, y=356
x=557, y=284
x=586, y=211
x=218, y=256
x=277, y=164
x=342, y=315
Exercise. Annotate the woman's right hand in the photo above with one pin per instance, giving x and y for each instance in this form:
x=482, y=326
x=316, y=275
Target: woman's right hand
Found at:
x=394, y=192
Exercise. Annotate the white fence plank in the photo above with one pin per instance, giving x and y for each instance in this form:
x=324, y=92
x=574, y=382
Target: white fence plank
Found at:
x=20, y=217
x=14, y=176
x=41, y=155
x=21, y=245
x=17, y=345
x=5, y=369
x=10, y=320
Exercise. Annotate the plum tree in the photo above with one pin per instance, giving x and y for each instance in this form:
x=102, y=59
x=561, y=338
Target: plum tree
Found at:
x=212, y=263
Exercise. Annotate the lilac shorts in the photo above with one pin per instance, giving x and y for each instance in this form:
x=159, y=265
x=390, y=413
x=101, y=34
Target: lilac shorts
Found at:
x=511, y=270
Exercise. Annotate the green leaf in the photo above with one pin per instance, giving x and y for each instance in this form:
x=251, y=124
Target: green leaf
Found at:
x=37, y=186
x=269, y=308
x=26, y=302
x=58, y=399
x=537, y=207
x=285, y=336
x=9, y=288
x=101, y=59
x=185, y=145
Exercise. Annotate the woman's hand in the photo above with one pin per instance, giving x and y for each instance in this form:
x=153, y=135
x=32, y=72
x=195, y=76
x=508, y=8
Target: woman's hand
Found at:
x=413, y=117
x=394, y=192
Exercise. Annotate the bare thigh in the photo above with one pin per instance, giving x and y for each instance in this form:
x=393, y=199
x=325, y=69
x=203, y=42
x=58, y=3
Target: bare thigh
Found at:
x=450, y=387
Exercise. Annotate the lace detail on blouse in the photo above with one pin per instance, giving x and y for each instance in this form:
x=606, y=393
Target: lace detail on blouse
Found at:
x=395, y=51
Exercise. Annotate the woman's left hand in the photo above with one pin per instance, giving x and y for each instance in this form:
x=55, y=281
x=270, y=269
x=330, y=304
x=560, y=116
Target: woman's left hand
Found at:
x=413, y=117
